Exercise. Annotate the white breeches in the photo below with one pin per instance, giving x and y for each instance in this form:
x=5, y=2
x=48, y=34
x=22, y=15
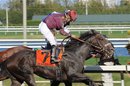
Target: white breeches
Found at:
x=47, y=33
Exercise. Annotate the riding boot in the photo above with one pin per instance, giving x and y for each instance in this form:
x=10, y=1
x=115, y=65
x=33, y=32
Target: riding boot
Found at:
x=48, y=45
x=53, y=55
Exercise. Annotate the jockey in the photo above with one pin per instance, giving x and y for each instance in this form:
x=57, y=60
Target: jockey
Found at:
x=56, y=21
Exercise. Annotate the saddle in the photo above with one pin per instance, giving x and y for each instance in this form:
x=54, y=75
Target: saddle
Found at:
x=43, y=57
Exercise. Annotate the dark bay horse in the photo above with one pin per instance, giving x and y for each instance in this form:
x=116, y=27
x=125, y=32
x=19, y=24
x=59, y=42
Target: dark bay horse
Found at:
x=4, y=55
x=21, y=66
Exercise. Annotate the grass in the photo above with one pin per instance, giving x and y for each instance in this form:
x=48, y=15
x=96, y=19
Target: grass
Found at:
x=122, y=59
x=116, y=77
x=38, y=35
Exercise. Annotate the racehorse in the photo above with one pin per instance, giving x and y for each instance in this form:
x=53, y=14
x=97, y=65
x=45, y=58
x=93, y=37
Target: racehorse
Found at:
x=4, y=55
x=22, y=67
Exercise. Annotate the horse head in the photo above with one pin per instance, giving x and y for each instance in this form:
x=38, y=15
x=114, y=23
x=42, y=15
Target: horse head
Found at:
x=101, y=45
x=92, y=41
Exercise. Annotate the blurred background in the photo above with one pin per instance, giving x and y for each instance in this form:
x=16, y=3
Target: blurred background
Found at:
x=36, y=8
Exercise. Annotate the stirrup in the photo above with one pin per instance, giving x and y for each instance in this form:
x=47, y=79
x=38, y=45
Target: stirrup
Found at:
x=54, y=60
x=42, y=47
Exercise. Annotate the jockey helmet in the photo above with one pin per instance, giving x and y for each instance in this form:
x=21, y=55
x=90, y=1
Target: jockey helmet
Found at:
x=73, y=14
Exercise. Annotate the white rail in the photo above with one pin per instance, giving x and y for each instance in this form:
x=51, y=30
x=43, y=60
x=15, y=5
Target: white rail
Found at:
x=72, y=28
x=37, y=43
x=121, y=69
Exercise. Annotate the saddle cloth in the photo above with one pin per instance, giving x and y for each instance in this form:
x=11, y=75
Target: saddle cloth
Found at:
x=43, y=57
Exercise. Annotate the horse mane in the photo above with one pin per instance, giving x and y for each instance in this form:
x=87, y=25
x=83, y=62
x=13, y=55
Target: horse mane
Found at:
x=73, y=44
x=88, y=34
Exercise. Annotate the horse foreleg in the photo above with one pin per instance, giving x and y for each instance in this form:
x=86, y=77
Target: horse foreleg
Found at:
x=14, y=82
x=68, y=83
x=82, y=78
x=55, y=83
x=30, y=80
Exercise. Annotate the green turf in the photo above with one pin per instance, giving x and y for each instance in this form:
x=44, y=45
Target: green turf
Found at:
x=38, y=35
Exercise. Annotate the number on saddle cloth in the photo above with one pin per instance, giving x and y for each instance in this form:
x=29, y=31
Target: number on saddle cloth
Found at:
x=47, y=53
x=43, y=56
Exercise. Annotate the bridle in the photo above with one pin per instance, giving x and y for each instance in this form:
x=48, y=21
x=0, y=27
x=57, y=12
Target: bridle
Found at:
x=100, y=48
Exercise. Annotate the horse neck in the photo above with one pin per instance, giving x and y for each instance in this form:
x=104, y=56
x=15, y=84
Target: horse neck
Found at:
x=83, y=52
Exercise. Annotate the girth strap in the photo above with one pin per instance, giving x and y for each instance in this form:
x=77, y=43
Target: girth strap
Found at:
x=58, y=73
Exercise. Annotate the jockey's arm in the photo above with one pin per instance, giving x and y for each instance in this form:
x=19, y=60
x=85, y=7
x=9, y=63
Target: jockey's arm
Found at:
x=64, y=31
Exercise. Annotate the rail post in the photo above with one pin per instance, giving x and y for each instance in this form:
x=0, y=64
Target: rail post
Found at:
x=128, y=34
x=122, y=79
x=1, y=83
x=107, y=77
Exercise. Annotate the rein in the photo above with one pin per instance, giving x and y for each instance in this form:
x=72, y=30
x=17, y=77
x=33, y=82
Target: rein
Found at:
x=100, y=48
x=78, y=39
x=73, y=38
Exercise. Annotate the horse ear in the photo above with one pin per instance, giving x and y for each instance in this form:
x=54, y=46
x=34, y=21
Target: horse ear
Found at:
x=98, y=36
x=93, y=31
